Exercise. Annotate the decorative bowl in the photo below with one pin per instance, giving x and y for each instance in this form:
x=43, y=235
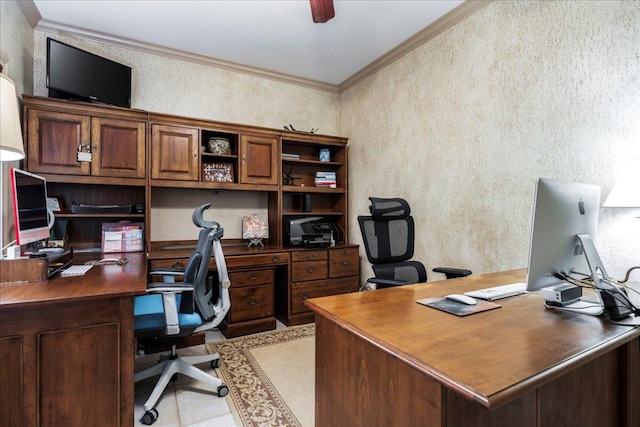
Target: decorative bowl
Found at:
x=219, y=145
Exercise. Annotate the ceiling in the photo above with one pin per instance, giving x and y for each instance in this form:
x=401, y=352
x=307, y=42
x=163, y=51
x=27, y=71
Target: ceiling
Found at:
x=272, y=35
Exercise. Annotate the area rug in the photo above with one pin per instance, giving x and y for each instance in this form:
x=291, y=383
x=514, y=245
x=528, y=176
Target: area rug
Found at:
x=270, y=376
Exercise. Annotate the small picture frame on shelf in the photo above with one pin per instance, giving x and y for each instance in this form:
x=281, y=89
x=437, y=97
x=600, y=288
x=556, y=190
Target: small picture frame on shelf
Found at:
x=255, y=228
x=55, y=204
x=217, y=172
x=324, y=155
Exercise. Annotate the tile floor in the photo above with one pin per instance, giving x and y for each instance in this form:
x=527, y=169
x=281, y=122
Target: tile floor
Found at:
x=187, y=402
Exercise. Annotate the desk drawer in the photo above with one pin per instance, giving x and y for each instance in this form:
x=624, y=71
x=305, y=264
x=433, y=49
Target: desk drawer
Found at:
x=344, y=262
x=320, y=288
x=311, y=270
x=249, y=303
x=276, y=258
x=251, y=277
x=302, y=256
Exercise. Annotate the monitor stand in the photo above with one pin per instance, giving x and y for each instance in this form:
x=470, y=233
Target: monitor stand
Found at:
x=612, y=300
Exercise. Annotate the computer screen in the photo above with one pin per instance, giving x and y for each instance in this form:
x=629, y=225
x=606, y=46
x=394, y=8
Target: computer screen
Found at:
x=561, y=211
x=29, y=197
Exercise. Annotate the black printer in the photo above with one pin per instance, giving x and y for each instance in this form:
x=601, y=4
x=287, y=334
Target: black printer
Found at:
x=310, y=232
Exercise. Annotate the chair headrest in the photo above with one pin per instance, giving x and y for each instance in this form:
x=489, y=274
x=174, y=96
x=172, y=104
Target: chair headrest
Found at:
x=387, y=209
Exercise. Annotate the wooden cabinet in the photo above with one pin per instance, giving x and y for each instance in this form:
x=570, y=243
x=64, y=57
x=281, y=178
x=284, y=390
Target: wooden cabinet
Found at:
x=67, y=347
x=174, y=153
x=252, y=301
x=114, y=147
x=259, y=160
x=317, y=273
x=112, y=171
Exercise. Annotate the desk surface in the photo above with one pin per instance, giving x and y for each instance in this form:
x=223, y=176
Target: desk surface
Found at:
x=99, y=281
x=489, y=357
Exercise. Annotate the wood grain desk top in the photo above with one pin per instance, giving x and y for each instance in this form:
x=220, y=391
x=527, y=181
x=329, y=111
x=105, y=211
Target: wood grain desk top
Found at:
x=489, y=357
x=99, y=281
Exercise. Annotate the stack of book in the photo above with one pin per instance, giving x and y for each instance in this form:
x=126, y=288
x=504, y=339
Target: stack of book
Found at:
x=290, y=156
x=326, y=179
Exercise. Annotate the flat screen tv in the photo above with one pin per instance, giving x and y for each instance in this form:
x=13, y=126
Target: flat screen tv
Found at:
x=73, y=73
x=29, y=197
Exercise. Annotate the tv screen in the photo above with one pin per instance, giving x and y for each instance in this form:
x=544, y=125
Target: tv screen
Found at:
x=73, y=73
x=29, y=199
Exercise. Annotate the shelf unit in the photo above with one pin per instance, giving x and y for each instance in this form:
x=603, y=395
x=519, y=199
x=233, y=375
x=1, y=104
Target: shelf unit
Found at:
x=174, y=152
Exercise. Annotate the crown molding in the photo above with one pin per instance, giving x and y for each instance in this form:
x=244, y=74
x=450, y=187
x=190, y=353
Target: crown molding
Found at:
x=56, y=28
x=30, y=11
x=447, y=21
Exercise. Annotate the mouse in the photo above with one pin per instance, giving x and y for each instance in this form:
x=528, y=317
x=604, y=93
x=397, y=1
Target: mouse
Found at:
x=461, y=299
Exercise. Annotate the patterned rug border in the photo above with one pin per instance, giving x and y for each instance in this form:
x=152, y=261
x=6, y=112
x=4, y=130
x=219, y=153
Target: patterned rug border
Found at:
x=251, y=394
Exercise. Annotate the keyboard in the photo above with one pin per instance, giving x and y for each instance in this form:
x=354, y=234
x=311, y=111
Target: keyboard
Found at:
x=76, y=270
x=498, y=292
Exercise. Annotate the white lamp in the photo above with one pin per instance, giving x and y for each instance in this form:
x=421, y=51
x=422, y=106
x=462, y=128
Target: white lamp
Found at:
x=626, y=191
x=11, y=147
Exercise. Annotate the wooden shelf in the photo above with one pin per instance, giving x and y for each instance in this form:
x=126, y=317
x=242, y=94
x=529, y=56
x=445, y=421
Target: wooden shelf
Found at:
x=305, y=189
x=98, y=215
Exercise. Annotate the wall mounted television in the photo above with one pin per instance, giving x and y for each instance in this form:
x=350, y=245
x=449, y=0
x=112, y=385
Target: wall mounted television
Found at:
x=73, y=73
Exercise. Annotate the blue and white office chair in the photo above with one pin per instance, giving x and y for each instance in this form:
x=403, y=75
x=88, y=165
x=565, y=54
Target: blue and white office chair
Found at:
x=172, y=310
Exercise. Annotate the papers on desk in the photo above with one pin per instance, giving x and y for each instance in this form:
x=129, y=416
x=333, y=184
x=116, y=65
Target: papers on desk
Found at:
x=457, y=308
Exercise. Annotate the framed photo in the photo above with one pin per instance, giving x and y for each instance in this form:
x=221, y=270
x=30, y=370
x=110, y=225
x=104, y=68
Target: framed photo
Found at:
x=217, y=172
x=55, y=204
x=255, y=226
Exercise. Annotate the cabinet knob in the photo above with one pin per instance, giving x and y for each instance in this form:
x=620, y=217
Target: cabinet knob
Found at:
x=252, y=276
x=252, y=302
x=178, y=264
x=310, y=269
x=345, y=261
x=275, y=258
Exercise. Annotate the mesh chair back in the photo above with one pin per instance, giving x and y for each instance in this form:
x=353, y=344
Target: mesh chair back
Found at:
x=389, y=232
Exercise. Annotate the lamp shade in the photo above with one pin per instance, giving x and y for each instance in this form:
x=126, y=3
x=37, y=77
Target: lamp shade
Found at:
x=11, y=147
x=626, y=191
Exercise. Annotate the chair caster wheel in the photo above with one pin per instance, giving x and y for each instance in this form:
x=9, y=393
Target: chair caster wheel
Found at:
x=215, y=364
x=223, y=390
x=150, y=417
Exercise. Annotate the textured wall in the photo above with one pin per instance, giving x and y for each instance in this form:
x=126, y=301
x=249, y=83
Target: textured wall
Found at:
x=462, y=127
x=16, y=56
x=174, y=86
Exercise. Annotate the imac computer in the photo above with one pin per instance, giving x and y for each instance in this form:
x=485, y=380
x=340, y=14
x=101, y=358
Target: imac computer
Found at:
x=562, y=251
x=29, y=197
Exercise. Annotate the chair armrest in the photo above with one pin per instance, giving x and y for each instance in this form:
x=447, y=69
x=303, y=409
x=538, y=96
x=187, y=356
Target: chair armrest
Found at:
x=452, y=273
x=386, y=283
x=160, y=287
x=168, y=274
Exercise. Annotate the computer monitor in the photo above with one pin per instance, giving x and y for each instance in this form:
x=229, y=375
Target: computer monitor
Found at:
x=29, y=197
x=562, y=211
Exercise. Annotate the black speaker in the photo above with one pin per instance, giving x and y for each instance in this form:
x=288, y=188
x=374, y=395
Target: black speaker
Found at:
x=306, y=202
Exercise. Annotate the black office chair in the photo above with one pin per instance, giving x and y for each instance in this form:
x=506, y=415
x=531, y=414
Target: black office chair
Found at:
x=171, y=311
x=388, y=236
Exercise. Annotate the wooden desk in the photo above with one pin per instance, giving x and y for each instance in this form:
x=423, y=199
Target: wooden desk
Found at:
x=67, y=347
x=382, y=359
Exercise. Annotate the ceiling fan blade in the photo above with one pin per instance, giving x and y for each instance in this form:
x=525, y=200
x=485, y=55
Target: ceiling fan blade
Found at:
x=322, y=10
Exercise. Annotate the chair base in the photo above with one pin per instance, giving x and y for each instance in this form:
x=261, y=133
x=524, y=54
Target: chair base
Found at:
x=180, y=365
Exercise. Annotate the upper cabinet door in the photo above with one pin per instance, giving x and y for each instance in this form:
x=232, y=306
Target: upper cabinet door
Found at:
x=118, y=148
x=259, y=160
x=174, y=153
x=54, y=140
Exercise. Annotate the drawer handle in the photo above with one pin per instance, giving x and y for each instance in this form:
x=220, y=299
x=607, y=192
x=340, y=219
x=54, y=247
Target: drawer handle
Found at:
x=252, y=277
x=178, y=264
x=304, y=296
x=345, y=261
x=311, y=256
x=310, y=269
x=275, y=258
x=251, y=302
